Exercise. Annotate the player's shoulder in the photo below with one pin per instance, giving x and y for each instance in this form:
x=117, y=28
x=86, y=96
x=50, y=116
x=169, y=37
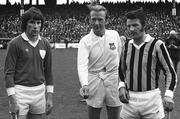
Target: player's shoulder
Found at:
x=44, y=39
x=157, y=41
x=15, y=40
x=46, y=42
x=86, y=38
x=111, y=32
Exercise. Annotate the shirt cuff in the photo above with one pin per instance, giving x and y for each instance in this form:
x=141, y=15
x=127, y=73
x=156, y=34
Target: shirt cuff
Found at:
x=121, y=84
x=83, y=83
x=50, y=89
x=10, y=91
x=83, y=78
x=169, y=93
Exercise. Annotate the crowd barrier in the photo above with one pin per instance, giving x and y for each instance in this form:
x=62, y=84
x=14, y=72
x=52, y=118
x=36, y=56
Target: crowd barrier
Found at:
x=4, y=41
x=63, y=45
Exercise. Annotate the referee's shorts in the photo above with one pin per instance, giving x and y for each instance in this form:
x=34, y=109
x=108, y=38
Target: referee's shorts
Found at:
x=103, y=92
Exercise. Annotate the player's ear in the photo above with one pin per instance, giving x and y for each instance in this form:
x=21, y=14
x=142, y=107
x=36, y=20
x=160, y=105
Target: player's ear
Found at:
x=107, y=14
x=89, y=17
x=90, y=21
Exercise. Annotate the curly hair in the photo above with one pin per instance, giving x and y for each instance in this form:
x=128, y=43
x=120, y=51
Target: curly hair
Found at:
x=32, y=13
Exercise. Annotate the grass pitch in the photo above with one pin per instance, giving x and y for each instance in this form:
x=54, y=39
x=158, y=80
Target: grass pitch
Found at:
x=67, y=103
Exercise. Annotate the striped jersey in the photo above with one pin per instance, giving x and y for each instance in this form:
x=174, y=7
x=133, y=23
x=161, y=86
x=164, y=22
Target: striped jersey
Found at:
x=141, y=65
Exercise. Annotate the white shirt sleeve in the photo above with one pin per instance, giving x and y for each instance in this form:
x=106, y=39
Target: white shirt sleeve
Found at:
x=82, y=62
x=121, y=84
x=50, y=88
x=169, y=93
x=10, y=91
x=120, y=44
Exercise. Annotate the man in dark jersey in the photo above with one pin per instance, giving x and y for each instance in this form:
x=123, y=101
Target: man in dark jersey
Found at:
x=28, y=72
x=173, y=46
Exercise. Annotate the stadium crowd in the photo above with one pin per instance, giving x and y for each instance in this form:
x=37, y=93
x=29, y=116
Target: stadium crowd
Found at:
x=71, y=21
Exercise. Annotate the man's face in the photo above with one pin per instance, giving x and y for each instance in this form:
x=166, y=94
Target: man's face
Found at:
x=135, y=27
x=173, y=35
x=97, y=21
x=33, y=27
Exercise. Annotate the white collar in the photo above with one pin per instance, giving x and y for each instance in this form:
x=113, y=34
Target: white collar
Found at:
x=147, y=39
x=24, y=36
x=94, y=35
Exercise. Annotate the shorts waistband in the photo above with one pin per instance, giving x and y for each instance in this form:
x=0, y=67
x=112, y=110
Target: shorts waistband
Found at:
x=29, y=88
x=144, y=96
x=145, y=92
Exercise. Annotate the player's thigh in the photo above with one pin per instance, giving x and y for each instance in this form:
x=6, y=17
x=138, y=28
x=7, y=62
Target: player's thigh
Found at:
x=23, y=107
x=94, y=113
x=112, y=96
x=113, y=112
x=155, y=112
x=96, y=96
x=22, y=101
x=35, y=116
x=129, y=111
x=153, y=109
x=39, y=106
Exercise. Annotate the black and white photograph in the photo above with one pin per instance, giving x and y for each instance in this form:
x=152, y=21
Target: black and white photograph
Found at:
x=89, y=59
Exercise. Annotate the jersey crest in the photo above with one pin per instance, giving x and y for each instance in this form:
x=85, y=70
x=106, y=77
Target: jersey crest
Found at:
x=42, y=53
x=112, y=46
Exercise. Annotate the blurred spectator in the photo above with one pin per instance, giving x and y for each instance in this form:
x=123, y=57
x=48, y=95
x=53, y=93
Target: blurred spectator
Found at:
x=3, y=44
x=173, y=46
x=72, y=22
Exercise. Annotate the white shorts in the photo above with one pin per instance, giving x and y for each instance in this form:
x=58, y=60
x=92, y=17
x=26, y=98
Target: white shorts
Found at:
x=31, y=99
x=145, y=105
x=104, y=95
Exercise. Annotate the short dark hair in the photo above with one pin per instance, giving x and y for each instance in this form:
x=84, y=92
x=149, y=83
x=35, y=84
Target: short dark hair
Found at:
x=137, y=14
x=32, y=13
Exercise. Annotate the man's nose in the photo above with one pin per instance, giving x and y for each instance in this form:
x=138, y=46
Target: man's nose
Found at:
x=36, y=25
x=131, y=28
x=96, y=22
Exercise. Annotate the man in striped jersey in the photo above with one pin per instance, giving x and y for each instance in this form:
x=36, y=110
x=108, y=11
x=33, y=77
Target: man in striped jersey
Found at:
x=28, y=69
x=98, y=63
x=139, y=73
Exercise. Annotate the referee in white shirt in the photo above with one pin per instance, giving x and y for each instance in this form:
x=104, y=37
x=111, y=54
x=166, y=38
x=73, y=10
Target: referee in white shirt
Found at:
x=98, y=62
